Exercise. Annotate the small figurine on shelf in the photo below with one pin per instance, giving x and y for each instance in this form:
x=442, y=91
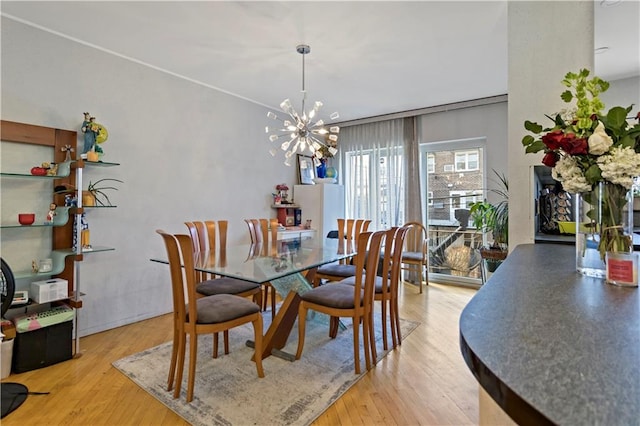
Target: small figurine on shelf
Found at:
x=90, y=132
x=282, y=189
x=67, y=149
x=85, y=236
x=51, y=214
x=94, y=134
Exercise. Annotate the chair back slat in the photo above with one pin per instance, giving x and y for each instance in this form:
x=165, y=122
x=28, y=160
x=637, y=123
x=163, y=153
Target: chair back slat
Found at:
x=193, y=232
x=177, y=271
x=211, y=234
x=366, y=262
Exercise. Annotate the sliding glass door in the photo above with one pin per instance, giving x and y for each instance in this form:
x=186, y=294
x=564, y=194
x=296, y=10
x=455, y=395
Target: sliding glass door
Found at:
x=453, y=177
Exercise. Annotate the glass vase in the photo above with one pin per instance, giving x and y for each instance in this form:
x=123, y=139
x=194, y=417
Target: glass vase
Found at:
x=321, y=169
x=604, y=223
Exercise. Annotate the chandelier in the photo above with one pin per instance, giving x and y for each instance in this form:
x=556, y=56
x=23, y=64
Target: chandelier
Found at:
x=300, y=131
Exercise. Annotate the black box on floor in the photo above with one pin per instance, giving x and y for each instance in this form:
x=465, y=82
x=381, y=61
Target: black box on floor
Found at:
x=42, y=347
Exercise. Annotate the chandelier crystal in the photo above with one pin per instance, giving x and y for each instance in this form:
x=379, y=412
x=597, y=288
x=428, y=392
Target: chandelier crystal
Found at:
x=303, y=132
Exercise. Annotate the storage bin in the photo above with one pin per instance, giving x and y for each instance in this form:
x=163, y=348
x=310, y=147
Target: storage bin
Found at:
x=7, y=356
x=43, y=339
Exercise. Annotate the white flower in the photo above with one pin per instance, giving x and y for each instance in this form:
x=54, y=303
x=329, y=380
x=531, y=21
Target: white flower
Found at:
x=599, y=141
x=620, y=166
x=569, y=173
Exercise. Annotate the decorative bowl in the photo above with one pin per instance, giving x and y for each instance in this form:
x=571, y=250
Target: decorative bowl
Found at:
x=324, y=180
x=26, y=218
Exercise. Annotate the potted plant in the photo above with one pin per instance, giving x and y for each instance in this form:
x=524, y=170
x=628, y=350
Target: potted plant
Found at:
x=95, y=193
x=494, y=219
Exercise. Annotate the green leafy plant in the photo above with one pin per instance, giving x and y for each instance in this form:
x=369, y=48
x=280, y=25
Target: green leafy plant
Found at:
x=494, y=218
x=98, y=191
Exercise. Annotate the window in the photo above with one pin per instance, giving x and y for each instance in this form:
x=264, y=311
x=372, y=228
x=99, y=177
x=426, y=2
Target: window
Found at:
x=431, y=163
x=462, y=200
x=430, y=198
x=374, y=186
x=467, y=161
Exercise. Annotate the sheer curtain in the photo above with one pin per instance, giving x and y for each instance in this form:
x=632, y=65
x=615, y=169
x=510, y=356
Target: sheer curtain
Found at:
x=373, y=163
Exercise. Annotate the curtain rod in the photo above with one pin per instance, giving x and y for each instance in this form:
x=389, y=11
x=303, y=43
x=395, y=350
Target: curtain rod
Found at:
x=428, y=110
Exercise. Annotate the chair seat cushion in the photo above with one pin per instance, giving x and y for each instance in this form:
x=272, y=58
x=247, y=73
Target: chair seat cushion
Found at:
x=223, y=307
x=352, y=281
x=337, y=270
x=412, y=256
x=332, y=295
x=225, y=285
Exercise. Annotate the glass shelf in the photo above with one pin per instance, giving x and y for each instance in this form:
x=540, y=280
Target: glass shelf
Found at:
x=99, y=207
x=60, y=219
x=100, y=163
x=63, y=171
x=57, y=257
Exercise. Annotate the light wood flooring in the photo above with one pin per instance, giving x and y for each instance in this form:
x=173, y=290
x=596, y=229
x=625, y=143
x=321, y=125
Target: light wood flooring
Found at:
x=423, y=382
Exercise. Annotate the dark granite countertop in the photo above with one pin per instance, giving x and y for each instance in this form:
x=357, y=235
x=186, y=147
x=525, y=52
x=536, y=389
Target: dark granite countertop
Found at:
x=552, y=346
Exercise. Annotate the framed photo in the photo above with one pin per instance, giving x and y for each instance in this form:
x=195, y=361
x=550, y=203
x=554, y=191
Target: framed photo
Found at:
x=306, y=170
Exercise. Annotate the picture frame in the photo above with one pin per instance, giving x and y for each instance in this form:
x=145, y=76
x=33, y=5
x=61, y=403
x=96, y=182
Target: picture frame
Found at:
x=306, y=170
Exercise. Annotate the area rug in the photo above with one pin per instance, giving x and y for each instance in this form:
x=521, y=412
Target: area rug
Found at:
x=229, y=392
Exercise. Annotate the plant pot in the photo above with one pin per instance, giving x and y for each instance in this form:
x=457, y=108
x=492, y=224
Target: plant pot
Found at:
x=494, y=253
x=492, y=264
x=88, y=199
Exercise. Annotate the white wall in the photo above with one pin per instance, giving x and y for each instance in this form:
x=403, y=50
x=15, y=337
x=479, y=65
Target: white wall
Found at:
x=187, y=153
x=485, y=121
x=546, y=40
x=623, y=92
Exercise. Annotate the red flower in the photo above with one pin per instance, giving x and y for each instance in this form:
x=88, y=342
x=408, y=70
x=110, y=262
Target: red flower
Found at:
x=552, y=139
x=573, y=146
x=550, y=159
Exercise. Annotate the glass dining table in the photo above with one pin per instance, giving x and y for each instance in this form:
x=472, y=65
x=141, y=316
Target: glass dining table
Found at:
x=288, y=265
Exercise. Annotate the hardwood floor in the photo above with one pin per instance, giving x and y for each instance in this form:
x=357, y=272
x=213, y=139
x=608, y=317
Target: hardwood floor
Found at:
x=423, y=382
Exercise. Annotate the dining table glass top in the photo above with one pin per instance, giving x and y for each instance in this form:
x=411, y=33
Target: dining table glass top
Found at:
x=261, y=263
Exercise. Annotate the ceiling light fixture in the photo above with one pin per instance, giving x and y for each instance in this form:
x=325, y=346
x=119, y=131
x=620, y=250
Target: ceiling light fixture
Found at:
x=301, y=131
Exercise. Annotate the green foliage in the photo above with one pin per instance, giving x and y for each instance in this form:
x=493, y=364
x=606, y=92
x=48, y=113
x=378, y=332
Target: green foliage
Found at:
x=98, y=191
x=494, y=218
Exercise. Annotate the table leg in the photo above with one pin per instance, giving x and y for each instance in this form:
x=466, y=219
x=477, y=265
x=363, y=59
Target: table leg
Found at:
x=289, y=288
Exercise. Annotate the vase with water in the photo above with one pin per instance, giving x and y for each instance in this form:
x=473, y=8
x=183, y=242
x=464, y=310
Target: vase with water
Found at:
x=604, y=224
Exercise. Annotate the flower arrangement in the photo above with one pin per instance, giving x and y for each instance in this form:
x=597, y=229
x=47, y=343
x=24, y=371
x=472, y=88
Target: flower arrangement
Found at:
x=585, y=147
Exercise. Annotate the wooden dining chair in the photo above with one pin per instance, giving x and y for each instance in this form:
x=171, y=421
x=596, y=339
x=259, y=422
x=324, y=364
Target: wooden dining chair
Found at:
x=348, y=230
x=203, y=239
x=386, y=285
x=206, y=315
x=415, y=257
x=342, y=300
x=265, y=232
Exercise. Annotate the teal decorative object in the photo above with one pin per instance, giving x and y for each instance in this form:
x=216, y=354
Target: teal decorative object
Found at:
x=331, y=172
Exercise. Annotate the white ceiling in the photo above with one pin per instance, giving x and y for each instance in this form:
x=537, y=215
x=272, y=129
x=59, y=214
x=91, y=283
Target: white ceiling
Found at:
x=367, y=58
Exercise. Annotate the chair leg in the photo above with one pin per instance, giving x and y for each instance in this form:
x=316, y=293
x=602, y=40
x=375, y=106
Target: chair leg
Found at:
x=426, y=275
x=393, y=316
x=174, y=357
x=372, y=339
x=334, y=324
x=215, y=345
x=302, y=319
x=265, y=297
x=257, y=339
x=396, y=317
x=273, y=303
x=356, y=344
x=226, y=342
x=385, y=345
x=193, y=352
x=181, y=353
